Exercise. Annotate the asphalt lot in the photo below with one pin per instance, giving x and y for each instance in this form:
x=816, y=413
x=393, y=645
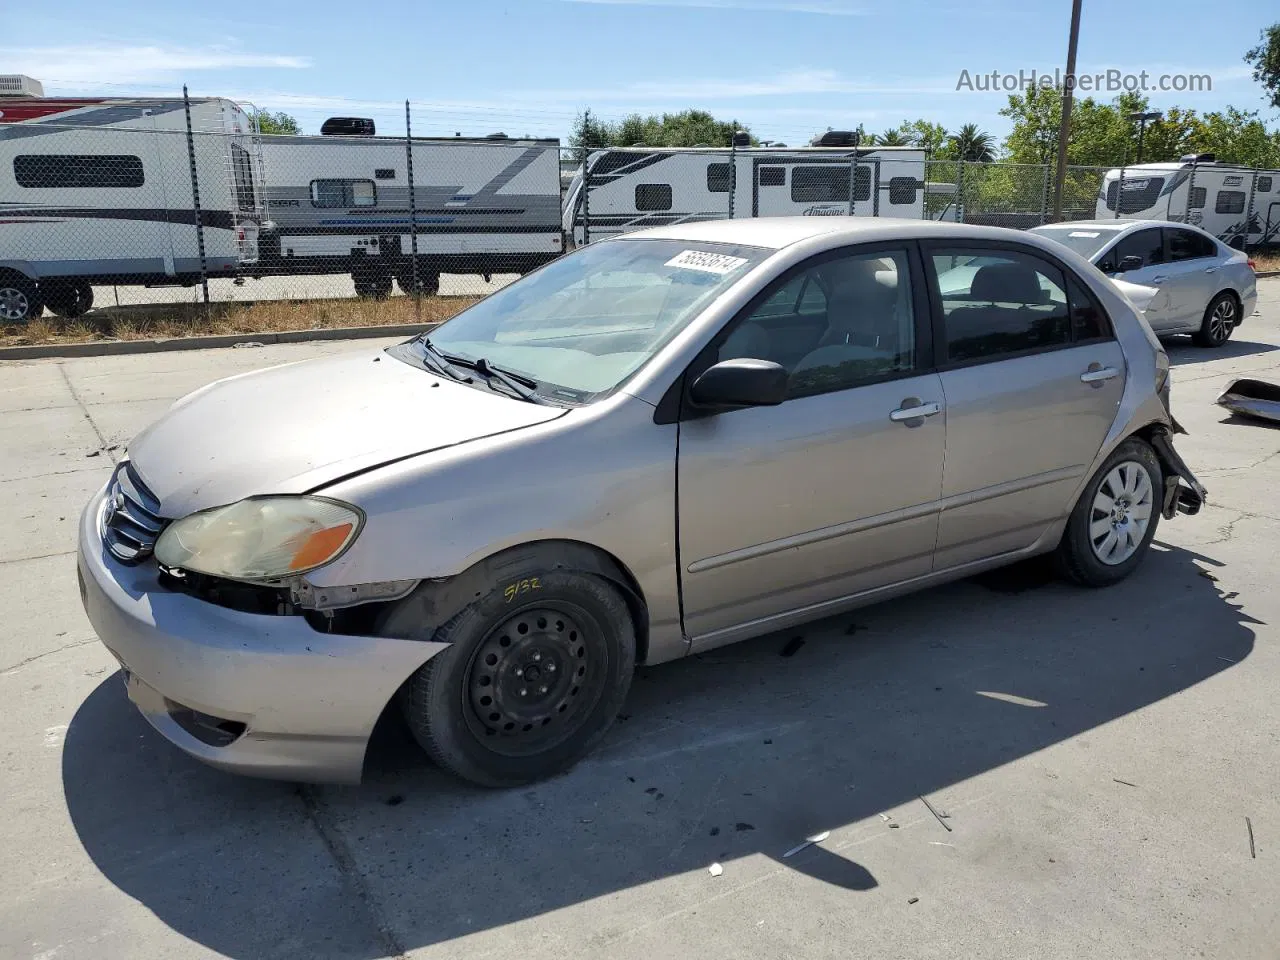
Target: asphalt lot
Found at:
x=1098, y=758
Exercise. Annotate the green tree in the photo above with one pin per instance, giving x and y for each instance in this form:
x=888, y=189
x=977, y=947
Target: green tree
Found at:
x=893, y=137
x=1265, y=60
x=277, y=123
x=971, y=144
x=928, y=136
x=1238, y=136
x=589, y=133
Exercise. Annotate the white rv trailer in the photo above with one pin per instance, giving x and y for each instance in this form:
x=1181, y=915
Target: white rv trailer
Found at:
x=340, y=204
x=1238, y=205
x=98, y=191
x=636, y=187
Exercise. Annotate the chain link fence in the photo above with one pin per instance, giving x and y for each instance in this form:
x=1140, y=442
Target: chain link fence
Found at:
x=175, y=206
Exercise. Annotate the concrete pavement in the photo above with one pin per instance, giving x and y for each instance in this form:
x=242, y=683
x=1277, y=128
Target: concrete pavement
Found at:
x=1093, y=755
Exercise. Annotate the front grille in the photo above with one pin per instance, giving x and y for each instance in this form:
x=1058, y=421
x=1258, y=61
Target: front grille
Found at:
x=131, y=520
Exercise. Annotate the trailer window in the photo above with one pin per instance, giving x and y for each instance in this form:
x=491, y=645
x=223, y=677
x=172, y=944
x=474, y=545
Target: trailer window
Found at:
x=773, y=176
x=84, y=171
x=343, y=193
x=1195, y=199
x=828, y=184
x=1139, y=193
x=653, y=196
x=718, y=177
x=903, y=189
x=242, y=171
x=1264, y=184
x=1229, y=201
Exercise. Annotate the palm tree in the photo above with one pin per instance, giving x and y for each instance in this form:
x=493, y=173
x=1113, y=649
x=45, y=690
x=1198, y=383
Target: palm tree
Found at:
x=892, y=138
x=974, y=145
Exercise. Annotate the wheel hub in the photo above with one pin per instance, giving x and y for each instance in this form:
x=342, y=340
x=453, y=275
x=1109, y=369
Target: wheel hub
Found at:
x=530, y=678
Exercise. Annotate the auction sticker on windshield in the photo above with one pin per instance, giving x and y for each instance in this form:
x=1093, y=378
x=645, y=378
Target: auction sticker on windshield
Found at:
x=717, y=263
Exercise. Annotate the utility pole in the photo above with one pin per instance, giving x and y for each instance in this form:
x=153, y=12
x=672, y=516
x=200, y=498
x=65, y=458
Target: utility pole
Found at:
x=1064, y=129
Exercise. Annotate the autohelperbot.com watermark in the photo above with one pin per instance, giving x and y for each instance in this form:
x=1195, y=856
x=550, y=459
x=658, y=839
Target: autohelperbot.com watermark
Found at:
x=1107, y=81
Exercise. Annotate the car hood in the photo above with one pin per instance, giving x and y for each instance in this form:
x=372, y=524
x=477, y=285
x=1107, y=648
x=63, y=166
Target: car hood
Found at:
x=293, y=428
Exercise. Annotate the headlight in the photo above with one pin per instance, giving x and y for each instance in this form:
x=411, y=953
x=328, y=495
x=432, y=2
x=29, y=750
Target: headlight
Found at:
x=262, y=538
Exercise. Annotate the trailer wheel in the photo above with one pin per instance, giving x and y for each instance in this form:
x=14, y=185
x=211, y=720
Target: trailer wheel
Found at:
x=374, y=286
x=19, y=299
x=69, y=298
x=428, y=282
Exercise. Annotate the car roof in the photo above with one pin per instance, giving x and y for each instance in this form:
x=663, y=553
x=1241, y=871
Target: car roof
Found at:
x=777, y=232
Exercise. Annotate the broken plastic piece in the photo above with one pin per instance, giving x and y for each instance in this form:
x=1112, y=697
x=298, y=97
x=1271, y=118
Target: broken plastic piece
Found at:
x=1252, y=398
x=808, y=842
x=715, y=869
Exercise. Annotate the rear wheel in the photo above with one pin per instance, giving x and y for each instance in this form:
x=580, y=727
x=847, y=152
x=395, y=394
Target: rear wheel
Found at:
x=1220, y=318
x=372, y=286
x=19, y=300
x=69, y=298
x=1115, y=518
x=536, y=672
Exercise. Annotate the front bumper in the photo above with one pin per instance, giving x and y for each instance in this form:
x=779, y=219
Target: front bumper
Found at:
x=278, y=698
x=1183, y=492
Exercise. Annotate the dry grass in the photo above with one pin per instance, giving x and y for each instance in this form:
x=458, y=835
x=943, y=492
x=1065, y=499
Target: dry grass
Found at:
x=269, y=316
x=1266, y=262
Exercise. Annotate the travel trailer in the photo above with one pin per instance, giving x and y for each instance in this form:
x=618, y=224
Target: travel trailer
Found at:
x=636, y=187
x=341, y=204
x=1238, y=205
x=96, y=191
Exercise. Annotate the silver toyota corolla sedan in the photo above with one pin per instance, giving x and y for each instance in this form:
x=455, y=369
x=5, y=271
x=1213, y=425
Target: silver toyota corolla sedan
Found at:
x=657, y=445
x=1183, y=279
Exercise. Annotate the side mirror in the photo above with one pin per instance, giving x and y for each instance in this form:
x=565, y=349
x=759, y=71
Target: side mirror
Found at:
x=740, y=383
x=1130, y=263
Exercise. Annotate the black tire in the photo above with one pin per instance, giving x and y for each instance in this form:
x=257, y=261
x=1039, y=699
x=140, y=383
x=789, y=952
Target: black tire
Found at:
x=465, y=705
x=428, y=282
x=1076, y=557
x=372, y=286
x=1220, y=318
x=69, y=299
x=20, y=299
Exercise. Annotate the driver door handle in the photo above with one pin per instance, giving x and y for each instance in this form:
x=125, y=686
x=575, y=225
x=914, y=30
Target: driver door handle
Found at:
x=915, y=411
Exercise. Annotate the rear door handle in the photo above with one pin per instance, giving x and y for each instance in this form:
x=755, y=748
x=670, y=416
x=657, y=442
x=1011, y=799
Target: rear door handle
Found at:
x=1160, y=279
x=1211, y=270
x=915, y=411
x=1097, y=374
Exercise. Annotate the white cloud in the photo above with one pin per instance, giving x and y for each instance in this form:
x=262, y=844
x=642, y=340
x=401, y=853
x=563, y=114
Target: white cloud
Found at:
x=829, y=8
x=91, y=65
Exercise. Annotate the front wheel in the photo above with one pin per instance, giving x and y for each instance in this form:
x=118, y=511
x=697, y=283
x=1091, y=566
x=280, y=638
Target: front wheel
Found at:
x=1220, y=318
x=535, y=674
x=1115, y=518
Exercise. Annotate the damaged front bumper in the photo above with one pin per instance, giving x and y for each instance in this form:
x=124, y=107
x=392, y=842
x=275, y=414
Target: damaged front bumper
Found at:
x=253, y=693
x=1183, y=493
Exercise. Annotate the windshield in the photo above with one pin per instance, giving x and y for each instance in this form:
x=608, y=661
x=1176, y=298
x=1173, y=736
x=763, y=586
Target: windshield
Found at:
x=1084, y=240
x=584, y=323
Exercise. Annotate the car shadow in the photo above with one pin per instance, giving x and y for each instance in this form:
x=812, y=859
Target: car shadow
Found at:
x=737, y=753
x=1181, y=350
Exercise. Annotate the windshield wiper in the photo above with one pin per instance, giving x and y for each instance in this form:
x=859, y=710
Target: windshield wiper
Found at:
x=446, y=363
x=519, y=385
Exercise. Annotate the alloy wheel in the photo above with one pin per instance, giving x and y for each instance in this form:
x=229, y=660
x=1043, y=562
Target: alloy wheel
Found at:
x=15, y=305
x=1121, y=513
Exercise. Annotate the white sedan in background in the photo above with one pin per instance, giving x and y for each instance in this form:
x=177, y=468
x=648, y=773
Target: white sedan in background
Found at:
x=1194, y=283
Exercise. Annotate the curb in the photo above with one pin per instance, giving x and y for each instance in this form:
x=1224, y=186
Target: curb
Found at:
x=1267, y=273
x=106, y=348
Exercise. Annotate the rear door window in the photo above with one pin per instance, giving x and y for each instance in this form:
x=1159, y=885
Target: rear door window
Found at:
x=1189, y=245
x=999, y=303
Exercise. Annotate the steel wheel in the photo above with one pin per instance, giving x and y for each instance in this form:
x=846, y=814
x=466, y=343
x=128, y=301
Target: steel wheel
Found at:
x=1121, y=512
x=15, y=304
x=534, y=677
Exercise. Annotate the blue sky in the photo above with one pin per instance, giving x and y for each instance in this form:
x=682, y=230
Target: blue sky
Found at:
x=789, y=68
